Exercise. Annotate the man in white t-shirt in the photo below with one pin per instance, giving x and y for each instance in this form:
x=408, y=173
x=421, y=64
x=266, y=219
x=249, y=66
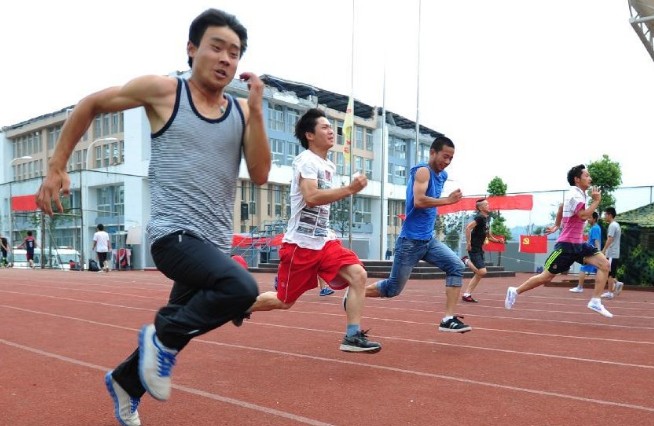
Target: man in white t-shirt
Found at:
x=612, y=252
x=310, y=250
x=102, y=245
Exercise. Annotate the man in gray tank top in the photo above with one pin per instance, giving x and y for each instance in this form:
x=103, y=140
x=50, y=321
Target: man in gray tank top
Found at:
x=198, y=135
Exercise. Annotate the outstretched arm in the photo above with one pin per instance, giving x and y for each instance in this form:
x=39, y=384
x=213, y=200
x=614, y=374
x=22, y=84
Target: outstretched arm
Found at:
x=421, y=200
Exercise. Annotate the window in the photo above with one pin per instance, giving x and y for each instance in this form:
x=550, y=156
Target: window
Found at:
x=292, y=151
x=369, y=140
x=399, y=148
x=362, y=210
x=358, y=137
x=104, y=201
x=119, y=200
x=277, y=148
x=367, y=169
x=106, y=119
x=275, y=117
x=339, y=133
x=424, y=153
x=115, y=154
x=293, y=116
x=277, y=195
x=358, y=164
x=340, y=163
x=97, y=126
x=98, y=157
x=400, y=174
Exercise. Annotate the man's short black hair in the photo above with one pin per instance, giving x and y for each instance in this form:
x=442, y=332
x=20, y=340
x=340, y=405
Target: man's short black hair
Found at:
x=307, y=123
x=575, y=172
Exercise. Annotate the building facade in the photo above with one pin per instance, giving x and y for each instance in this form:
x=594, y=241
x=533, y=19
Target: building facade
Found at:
x=108, y=172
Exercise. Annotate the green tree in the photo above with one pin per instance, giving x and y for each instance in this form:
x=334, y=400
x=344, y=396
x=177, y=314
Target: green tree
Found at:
x=497, y=187
x=606, y=175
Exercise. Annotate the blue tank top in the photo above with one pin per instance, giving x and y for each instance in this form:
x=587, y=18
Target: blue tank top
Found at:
x=419, y=223
x=193, y=172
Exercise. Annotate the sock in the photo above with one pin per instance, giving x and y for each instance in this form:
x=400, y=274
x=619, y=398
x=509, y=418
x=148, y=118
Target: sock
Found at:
x=352, y=329
x=466, y=294
x=596, y=300
x=446, y=319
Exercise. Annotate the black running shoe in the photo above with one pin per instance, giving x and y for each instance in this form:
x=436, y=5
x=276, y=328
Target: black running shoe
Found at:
x=469, y=298
x=453, y=325
x=359, y=343
x=238, y=321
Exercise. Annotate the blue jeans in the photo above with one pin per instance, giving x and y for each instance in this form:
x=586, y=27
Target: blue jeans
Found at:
x=409, y=252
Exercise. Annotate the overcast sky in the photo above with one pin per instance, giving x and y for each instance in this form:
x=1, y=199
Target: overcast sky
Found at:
x=525, y=89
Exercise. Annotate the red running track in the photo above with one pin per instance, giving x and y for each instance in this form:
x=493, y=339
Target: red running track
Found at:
x=549, y=361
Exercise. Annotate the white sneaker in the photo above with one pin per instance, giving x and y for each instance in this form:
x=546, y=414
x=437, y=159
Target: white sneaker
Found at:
x=607, y=295
x=600, y=309
x=155, y=364
x=124, y=405
x=511, y=295
x=577, y=289
x=618, y=288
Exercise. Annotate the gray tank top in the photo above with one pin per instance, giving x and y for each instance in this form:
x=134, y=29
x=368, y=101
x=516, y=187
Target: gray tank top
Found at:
x=193, y=172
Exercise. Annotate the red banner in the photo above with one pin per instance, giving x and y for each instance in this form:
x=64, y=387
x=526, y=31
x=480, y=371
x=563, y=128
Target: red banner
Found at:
x=503, y=202
x=23, y=203
x=533, y=243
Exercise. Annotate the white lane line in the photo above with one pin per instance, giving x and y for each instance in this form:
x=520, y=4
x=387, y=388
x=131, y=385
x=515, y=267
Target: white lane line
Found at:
x=194, y=391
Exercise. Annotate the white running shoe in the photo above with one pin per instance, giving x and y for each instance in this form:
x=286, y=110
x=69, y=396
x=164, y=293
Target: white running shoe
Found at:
x=577, y=289
x=125, y=407
x=607, y=295
x=155, y=364
x=599, y=308
x=511, y=295
x=618, y=288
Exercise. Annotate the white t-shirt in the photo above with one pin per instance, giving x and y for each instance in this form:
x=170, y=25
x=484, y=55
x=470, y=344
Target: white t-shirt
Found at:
x=308, y=227
x=613, y=252
x=101, y=239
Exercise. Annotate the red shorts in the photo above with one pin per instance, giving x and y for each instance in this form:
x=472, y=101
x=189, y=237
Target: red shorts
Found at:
x=299, y=268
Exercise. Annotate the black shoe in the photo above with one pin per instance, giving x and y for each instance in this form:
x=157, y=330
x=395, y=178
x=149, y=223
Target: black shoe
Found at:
x=453, y=325
x=238, y=321
x=469, y=298
x=360, y=343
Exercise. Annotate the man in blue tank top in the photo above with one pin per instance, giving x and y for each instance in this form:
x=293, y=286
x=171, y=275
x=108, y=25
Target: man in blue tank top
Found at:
x=195, y=126
x=417, y=242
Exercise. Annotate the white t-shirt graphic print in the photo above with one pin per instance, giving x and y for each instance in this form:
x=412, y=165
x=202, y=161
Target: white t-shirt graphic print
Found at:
x=308, y=227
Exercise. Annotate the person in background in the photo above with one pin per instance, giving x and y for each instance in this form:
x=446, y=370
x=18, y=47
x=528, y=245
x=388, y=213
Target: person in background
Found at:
x=102, y=246
x=4, y=247
x=29, y=244
x=477, y=231
x=612, y=252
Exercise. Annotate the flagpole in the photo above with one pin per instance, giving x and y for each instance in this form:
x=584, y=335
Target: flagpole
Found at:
x=384, y=205
x=352, y=132
x=418, y=88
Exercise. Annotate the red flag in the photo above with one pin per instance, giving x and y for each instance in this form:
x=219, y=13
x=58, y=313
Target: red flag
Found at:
x=490, y=246
x=533, y=244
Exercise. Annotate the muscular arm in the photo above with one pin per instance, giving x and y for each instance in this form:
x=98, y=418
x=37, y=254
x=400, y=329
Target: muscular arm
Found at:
x=155, y=93
x=255, y=145
x=421, y=200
